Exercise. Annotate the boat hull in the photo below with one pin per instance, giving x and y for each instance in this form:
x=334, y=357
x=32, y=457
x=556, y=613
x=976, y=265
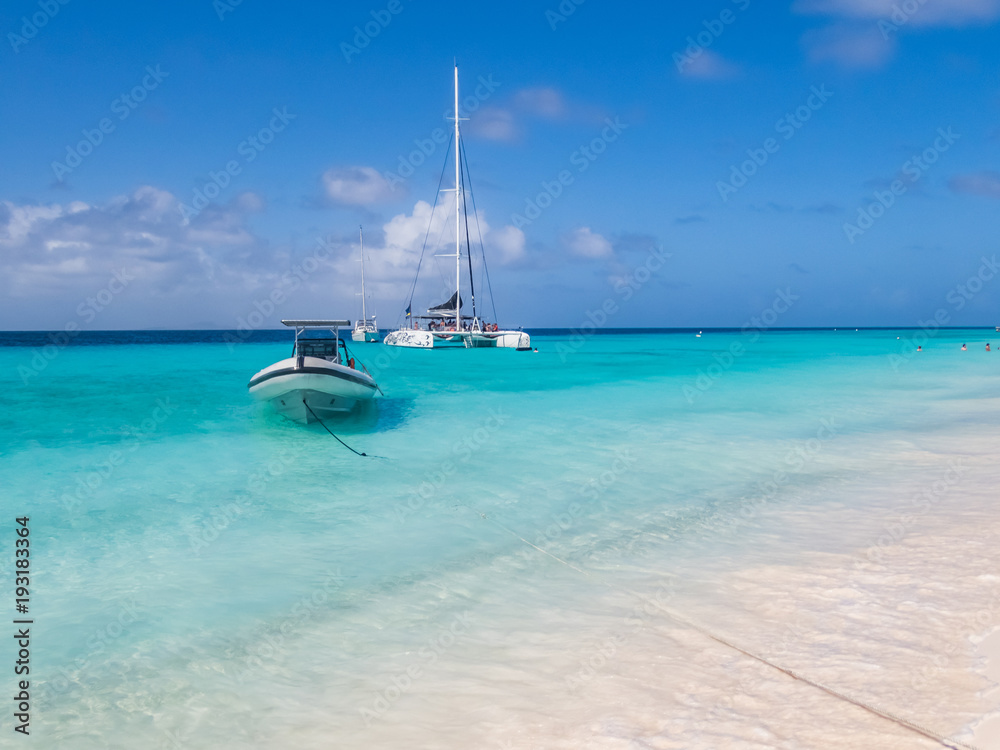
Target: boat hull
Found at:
x=365, y=337
x=410, y=339
x=326, y=388
x=518, y=340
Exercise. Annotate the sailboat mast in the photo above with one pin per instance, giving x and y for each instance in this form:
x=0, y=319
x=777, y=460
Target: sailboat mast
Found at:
x=458, y=222
x=364, y=311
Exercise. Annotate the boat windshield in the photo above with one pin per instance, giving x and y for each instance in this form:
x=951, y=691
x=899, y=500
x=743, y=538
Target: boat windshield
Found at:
x=322, y=348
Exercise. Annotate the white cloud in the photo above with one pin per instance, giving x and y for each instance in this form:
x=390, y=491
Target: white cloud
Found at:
x=20, y=219
x=356, y=186
x=505, y=244
x=863, y=33
x=927, y=12
x=393, y=257
x=977, y=183
x=709, y=66
x=55, y=248
x=210, y=271
x=541, y=102
x=494, y=124
x=587, y=244
x=849, y=46
x=405, y=233
x=506, y=122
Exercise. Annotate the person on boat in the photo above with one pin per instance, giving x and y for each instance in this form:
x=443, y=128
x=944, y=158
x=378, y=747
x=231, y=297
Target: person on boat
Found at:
x=350, y=363
x=964, y=348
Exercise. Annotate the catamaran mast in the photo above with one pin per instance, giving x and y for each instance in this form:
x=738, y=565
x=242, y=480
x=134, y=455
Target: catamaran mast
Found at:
x=364, y=312
x=458, y=221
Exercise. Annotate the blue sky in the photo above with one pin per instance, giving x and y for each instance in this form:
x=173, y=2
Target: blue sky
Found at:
x=846, y=152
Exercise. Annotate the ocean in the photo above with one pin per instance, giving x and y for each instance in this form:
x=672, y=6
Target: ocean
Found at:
x=551, y=549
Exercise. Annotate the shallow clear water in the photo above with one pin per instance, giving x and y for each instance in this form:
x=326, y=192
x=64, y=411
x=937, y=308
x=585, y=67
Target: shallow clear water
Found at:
x=208, y=574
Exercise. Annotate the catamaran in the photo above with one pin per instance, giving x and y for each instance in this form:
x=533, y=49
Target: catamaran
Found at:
x=445, y=325
x=320, y=379
x=365, y=329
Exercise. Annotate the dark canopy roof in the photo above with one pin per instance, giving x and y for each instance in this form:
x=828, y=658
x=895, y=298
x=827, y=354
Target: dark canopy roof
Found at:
x=445, y=309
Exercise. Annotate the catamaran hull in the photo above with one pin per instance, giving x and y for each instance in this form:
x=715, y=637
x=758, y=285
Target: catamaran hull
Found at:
x=448, y=340
x=410, y=339
x=518, y=340
x=365, y=337
x=327, y=388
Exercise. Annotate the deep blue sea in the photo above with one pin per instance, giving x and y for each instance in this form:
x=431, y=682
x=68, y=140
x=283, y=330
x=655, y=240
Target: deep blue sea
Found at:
x=206, y=574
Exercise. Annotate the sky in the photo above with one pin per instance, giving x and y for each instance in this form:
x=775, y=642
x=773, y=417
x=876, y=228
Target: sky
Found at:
x=208, y=164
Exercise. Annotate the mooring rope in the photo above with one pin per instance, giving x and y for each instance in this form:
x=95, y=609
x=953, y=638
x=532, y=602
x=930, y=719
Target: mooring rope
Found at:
x=334, y=436
x=943, y=740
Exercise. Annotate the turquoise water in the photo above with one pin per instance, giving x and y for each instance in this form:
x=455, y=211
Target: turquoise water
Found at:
x=207, y=574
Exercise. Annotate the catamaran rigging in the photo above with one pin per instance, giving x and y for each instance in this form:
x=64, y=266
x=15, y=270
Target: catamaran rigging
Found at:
x=466, y=330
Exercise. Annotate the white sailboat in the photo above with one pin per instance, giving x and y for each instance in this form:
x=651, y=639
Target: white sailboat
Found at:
x=444, y=325
x=365, y=329
x=318, y=380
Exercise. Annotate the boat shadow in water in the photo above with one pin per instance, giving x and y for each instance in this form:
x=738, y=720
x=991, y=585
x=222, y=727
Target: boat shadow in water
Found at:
x=378, y=415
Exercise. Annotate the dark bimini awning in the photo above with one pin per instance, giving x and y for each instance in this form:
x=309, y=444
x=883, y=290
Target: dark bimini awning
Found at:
x=445, y=309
